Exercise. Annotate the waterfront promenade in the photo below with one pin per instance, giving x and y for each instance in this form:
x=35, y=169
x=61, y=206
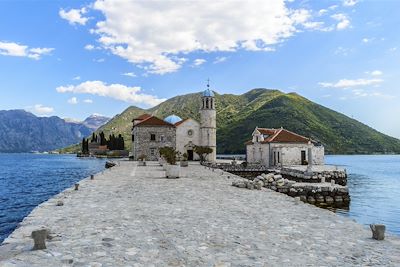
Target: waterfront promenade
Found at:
x=132, y=216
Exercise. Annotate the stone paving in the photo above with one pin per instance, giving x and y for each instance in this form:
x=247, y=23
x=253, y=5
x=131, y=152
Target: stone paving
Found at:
x=132, y=216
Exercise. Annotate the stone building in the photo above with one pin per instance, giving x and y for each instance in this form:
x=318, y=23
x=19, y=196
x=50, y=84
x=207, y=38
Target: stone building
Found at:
x=280, y=147
x=150, y=133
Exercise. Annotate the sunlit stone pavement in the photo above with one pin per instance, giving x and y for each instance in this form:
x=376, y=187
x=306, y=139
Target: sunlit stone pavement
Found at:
x=132, y=216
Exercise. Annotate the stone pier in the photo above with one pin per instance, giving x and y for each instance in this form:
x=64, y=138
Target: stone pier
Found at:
x=132, y=216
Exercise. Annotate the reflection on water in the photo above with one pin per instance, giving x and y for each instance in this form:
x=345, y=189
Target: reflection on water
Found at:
x=374, y=186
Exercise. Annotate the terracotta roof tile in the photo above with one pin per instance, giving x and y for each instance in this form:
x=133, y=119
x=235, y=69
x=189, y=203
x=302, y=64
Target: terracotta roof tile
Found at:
x=154, y=121
x=280, y=136
x=142, y=117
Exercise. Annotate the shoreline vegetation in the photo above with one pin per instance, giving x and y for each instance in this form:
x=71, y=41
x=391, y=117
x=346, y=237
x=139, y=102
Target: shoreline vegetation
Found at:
x=114, y=233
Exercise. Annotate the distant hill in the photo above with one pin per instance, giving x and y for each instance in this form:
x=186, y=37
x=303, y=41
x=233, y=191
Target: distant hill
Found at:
x=21, y=131
x=238, y=115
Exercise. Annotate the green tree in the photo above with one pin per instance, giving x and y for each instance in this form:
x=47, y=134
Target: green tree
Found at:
x=202, y=151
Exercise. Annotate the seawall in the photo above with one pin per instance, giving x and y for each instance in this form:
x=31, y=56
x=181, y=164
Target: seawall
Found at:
x=133, y=216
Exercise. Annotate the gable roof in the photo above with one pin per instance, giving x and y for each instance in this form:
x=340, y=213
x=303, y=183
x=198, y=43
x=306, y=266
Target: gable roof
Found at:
x=142, y=117
x=281, y=136
x=153, y=121
x=180, y=122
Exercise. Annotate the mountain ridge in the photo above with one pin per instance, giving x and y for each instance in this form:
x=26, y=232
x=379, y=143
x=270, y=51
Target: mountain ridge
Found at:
x=238, y=115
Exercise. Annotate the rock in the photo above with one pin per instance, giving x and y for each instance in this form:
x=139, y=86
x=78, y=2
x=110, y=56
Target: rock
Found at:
x=258, y=186
x=241, y=185
x=274, y=188
x=303, y=198
x=250, y=186
x=329, y=199
x=311, y=200
x=277, y=177
x=280, y=182
x=39, y=239
x=60, y=203
x=378, y=231
x=320, y=199
x=67, y=259
x=271, y=179
x=338, y=199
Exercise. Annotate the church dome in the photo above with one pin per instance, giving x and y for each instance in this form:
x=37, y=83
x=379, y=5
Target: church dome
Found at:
x=208, y=93
x=172, y=119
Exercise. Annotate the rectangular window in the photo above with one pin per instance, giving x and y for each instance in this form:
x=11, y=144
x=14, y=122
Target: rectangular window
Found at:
x=133, y=137
x=162, y=138
x=152, y=137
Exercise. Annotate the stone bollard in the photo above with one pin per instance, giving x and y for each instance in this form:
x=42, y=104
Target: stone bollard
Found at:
x=76, y=186
x=91, y=177
x=378, y=231
x=39, y=239
x=60, y=203
x=332, y=182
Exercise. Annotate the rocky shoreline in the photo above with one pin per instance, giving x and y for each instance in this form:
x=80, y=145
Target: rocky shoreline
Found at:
x=132, y=216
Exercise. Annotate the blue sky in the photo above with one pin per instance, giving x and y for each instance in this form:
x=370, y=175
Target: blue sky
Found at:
x=76, y=58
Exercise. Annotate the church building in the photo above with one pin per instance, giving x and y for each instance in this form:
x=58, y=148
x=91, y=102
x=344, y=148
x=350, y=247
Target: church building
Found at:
x=150, y=133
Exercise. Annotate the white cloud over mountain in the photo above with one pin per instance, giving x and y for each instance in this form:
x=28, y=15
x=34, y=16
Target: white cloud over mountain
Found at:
x=156, y=33
x=115, y=91
x=39, y=109
x=18, y=50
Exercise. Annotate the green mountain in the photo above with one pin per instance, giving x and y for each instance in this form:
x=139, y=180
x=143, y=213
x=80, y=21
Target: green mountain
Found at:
x=238, y=115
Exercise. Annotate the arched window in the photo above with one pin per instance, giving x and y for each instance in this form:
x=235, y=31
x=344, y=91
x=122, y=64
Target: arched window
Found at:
x=207, y=103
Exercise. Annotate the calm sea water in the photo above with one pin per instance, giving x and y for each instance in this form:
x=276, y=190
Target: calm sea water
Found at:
x=374, y=186
x=27, y=180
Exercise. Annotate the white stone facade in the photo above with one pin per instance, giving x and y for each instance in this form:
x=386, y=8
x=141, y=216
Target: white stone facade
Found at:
x=269, y=149
x=187, y=137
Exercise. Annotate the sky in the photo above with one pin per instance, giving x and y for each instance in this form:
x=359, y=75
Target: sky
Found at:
x=75, y=58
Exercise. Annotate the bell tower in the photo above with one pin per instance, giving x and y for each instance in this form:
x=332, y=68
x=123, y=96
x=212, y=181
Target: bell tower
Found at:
x=208, y=122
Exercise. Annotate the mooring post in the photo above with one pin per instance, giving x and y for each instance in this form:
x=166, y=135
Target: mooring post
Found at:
x=378, y=231
x=39, y=239
x=91, y=177
x=76, y=186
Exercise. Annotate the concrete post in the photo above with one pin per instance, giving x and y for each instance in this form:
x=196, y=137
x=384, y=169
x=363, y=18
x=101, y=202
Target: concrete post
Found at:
x=39, y=239
x=310, y=157
x=378, y=231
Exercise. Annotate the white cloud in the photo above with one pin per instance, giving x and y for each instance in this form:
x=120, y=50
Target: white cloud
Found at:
x=76, y=78
x=39, y=109
x=346, y=83
x=349, y=2
x=199, y=61
x=74, y=16
x=376, y=73
x=88, y=101
x=129, y=74
x=73, y=101
x=220, y=60
x=17, y=50
x=100, y=60
x=183, y=27
x=89, y=47
x=115, y=91
x=343, y=21
x=367, y=40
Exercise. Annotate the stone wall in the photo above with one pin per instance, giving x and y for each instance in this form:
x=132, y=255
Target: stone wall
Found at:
x=321, y=194
x=289, y=153
x=339, y=176
x=143, y=144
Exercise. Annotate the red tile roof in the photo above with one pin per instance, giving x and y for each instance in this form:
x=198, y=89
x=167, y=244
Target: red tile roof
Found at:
x=281, y=136
x=180, y=122
x=153, y=121
x=142, y=117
